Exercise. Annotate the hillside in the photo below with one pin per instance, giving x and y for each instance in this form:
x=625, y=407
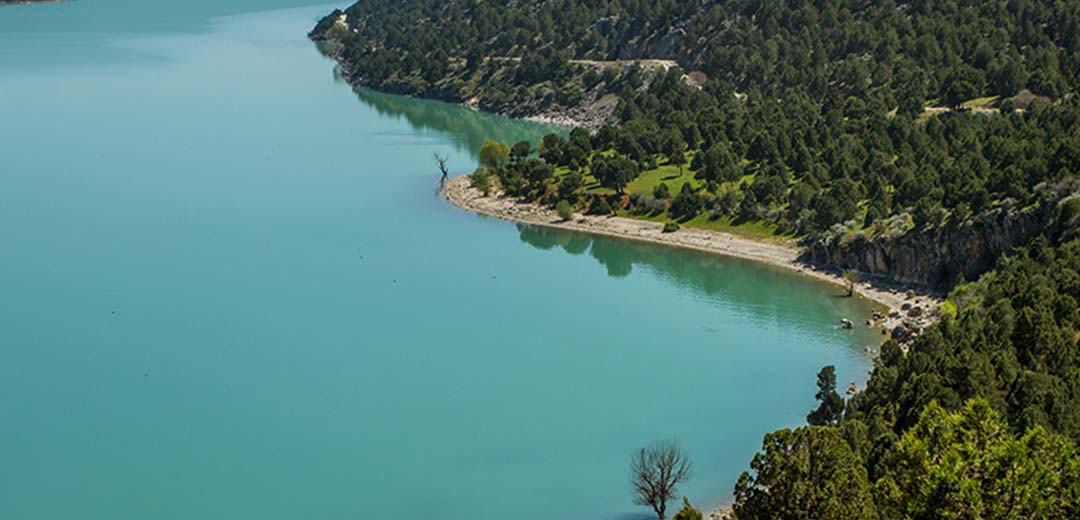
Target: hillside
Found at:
x=933, y=142
x=517, y=57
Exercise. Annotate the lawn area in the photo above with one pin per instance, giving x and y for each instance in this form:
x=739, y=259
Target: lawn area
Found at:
x=667, y=174
x=670, y=174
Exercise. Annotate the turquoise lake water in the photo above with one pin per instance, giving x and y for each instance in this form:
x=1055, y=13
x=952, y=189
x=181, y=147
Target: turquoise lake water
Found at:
x=229, y=289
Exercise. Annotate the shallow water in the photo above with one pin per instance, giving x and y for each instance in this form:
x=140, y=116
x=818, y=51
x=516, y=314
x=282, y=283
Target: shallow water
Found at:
x=229, y=289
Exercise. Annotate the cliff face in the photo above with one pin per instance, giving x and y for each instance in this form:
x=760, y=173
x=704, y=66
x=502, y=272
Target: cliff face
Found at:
x=935, y=257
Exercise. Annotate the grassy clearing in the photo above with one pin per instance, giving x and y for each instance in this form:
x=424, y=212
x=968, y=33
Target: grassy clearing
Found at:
x=983, y=102
x=668, y=173
x=675, y=179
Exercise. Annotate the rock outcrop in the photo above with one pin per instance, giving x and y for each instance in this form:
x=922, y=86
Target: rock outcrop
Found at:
x=936, y=256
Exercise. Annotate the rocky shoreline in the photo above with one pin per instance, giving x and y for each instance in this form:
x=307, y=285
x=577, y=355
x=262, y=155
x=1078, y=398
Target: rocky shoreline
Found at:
x=907, y=308
x=595, y=108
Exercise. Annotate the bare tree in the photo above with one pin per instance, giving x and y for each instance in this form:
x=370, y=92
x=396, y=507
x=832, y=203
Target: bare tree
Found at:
x=441, y=160
x=851, y=276
x=655, y=471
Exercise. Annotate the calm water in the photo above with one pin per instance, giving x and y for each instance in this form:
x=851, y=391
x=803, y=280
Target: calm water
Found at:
x=228, y=289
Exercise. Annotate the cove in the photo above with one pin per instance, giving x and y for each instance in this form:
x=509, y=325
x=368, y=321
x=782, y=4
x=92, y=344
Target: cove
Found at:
x=229, y=288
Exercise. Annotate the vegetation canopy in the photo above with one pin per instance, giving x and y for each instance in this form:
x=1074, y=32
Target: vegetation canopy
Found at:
x=876, y=133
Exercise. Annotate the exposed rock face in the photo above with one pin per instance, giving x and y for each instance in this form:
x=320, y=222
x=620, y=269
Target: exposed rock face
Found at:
x=935, y=257
x=667, y=46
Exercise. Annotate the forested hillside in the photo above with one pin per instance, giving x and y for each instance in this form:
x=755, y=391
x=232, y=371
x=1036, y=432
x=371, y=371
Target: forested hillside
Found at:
x=938, y=142
x=885, y=54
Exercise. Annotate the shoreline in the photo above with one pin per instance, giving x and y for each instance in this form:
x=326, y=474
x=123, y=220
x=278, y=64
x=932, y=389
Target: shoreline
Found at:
x=893, y=297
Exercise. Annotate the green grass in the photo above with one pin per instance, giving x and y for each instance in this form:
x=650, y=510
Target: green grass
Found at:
x=668, y=173
x=983, y=102
x=757, y=230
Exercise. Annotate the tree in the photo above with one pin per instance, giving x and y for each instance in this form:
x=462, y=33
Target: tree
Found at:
x=569, y=186
x=968, y=465
x=851, y=276
x=440, y=160
x=536, y=171
x=687, y=204
x=564, y=209
x=829, y=412
x=688, y=512
x=719, y=164
x=809, y=473
x=655, y=473
x=551, y=148
x=520, y=151
x=675, y=148
x=481, y=180
x=614, y=172
x=494, y=155
x=600, y=206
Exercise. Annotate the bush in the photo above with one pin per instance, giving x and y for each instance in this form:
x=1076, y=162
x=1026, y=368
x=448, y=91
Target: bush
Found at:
x=670, y=227
x=687, y=204
x=688, y=512
x=661, y=191
x=600, y=206
x=481, y=180
x=564, y=209
x=642, y=204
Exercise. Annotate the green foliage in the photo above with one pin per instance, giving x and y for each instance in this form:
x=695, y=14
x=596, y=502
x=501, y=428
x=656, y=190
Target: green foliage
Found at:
x=564, y=209
x=614, y=172
x=494, y=155
x=570, y=186
x=719, y=163
x=481, y=180
x=873, y=52
x=1013, y=342
x=661, y=191
x=687, y=512
x=831, y=407
x=670, y=227
x=600, y=206
x=967, y=465
x=822, y=101
x=687, y=204
x=806, y=473
x=813, y=120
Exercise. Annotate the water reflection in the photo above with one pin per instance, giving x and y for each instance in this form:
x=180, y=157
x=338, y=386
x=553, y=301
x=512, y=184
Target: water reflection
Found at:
x=762, y=291
x=467, y=128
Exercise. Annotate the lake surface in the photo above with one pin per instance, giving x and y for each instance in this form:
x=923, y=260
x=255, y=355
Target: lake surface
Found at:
x=229, y=289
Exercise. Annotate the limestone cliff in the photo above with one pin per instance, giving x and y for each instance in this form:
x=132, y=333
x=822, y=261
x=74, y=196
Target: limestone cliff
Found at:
x=940, y=256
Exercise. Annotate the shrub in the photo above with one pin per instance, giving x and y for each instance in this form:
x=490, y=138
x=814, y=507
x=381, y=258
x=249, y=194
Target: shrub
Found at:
x=688, y=512
x=600, y=206
x=564, y=209
x=670, y=227
x=661, y=191
x=643, y=204
x=481, y=180
x=687, y=204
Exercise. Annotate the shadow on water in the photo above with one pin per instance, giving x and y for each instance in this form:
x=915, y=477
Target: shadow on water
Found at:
x=468, y=128
x=758, y=288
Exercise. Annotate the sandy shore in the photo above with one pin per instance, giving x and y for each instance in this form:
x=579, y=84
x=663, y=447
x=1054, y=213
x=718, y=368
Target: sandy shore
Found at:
x=893, y=297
